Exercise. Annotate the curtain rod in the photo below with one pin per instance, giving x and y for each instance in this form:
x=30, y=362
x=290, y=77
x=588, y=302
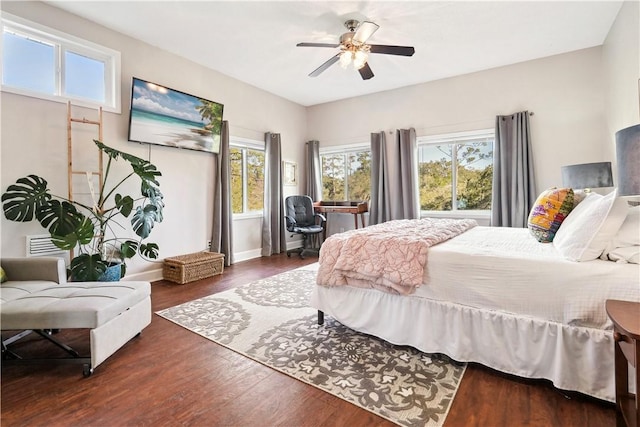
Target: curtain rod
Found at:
x=503, y=117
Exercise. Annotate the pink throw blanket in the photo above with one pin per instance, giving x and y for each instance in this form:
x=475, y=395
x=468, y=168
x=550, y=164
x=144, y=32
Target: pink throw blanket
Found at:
x=391, y=256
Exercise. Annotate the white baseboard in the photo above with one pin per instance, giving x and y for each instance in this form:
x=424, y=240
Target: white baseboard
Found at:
x=295, y=244
x=147, y=276
x=246, y=255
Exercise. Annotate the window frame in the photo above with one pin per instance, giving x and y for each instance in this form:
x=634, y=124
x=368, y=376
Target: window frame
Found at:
x=63, y=43
x=454, y=139
x=345, y=150
x=246, y=144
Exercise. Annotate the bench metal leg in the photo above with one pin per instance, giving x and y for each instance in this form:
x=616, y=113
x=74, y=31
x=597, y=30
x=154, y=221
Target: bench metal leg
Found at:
x=63, y=346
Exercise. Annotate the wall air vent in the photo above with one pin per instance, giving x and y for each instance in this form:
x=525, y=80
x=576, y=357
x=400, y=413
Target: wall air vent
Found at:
x=41, y=245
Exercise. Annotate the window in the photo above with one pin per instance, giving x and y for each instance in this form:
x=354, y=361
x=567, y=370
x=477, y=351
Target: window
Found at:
x=246, y=160
x=456, y=171
x=346, y=174
x=45, y=63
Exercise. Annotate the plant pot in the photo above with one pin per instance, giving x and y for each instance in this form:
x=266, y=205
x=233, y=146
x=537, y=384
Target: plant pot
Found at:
x=112, y=274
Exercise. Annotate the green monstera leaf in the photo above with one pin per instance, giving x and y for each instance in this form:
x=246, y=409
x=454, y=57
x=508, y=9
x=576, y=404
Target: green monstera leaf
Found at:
x=143, y=220
x=22, y=200
x=147, y=172
x=129, y=249
x=115, y=154
x=155, y=198
x=83, y=235
x=60, y=218
x=143, y=168
x=87, y=268
x=149, y=250
x=124, y=204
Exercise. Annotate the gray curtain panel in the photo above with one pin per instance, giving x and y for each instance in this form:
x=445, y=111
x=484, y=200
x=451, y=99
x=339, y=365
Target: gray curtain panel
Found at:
x=377, y=212
x=393, y=177
x=314, y=171
x=514, y=190
x=273, y=230
x=222, y=233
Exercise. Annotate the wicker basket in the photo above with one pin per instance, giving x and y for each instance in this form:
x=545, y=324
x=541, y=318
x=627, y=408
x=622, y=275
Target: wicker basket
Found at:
x=188, y=268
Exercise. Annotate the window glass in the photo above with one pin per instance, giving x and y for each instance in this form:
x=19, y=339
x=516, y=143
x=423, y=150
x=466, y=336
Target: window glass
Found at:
x=247, y=177
x=333, y=177
x=28, y=63
x=237, y=192
x=255, y=180
x=42, y=62
x=435, y=175
x=359, y=181
x=84, y=77
x=464, y=164
x=346, y=175
x=474, y=175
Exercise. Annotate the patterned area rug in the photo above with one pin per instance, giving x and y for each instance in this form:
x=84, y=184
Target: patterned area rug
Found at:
x=271, y=322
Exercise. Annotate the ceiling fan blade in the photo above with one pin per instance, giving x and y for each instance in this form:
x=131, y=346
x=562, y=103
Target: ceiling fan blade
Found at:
x=365, y=72
x=392, y=50
x=364, y=31
x=318, y=45
x=329, y=63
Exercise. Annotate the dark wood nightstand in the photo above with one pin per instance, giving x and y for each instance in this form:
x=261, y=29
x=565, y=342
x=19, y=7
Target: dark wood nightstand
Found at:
x=625, y=316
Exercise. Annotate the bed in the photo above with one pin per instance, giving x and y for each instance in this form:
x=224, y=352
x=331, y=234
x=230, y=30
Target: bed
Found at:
x=499, y=297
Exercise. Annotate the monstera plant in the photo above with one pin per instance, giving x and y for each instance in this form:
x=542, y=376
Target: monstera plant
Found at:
x=90, y=229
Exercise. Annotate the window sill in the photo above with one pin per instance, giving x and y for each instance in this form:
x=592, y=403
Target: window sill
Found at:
x=250, y=215
x=456, y=214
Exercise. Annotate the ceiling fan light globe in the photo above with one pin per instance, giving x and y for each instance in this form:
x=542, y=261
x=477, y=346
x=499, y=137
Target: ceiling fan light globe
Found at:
x=345, y=59
x=359, y=59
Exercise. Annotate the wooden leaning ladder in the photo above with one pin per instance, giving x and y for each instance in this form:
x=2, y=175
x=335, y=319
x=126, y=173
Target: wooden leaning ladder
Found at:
x=71, y=171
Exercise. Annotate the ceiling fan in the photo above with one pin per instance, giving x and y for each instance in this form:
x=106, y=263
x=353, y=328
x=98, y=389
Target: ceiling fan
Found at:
x=354, y=49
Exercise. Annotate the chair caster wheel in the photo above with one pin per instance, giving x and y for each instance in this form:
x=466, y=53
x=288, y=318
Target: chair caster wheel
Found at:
x=87, y=371
x=288, y=255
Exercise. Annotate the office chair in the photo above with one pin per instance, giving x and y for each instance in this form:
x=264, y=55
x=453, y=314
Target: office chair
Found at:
x=301, y=219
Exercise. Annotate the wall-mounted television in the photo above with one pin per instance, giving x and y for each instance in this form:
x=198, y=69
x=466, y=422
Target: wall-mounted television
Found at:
x=163, y=116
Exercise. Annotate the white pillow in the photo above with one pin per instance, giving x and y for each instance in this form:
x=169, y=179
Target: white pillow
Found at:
x=590, y=227
x=629, y=233
x=629, y=254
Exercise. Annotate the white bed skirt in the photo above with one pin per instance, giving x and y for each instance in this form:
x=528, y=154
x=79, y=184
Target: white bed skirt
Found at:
x=573, y=358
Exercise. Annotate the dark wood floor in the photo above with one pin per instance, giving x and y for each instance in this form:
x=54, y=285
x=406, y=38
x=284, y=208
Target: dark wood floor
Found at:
x=170, y=376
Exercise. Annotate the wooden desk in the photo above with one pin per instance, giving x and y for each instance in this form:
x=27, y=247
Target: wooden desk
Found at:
x=355, y=208
x=625, y=316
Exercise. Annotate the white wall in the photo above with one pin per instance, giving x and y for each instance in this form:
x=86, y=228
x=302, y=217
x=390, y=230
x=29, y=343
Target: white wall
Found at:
x=34, y=139
x=621, y=59
x=565, y=92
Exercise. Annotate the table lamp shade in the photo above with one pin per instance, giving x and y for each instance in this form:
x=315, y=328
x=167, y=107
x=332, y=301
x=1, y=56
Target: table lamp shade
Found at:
x=628, y=158
x=587, y=175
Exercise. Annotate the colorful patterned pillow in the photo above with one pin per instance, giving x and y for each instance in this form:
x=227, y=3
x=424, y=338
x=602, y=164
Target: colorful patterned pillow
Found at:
x=3, y=275
x=550, y=209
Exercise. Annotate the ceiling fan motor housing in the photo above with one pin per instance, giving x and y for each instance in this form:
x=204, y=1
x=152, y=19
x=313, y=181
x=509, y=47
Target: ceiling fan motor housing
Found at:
x=346, y=39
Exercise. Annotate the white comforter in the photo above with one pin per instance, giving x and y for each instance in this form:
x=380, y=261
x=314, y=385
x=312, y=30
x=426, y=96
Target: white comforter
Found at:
x=506, y=269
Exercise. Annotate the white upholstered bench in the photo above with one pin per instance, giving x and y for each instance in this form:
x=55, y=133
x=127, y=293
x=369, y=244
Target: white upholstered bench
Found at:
x=37, y=298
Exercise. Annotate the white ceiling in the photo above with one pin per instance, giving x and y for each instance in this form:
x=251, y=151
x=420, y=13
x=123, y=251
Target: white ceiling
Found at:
x=255, y=42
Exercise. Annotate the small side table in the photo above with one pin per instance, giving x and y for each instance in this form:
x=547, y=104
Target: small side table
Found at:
x=625, y=316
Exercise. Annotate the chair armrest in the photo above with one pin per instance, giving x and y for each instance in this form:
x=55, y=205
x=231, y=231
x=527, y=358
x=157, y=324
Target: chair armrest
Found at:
x=42, y=268
x=322, y=218
x=291, y=222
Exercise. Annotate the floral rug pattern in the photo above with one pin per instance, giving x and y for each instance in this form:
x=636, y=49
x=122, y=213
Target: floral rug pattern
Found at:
x=270, y=321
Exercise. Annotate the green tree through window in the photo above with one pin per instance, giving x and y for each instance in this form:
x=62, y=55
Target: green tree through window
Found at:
x=346, y=176
x=247, y=179
x=465, y=165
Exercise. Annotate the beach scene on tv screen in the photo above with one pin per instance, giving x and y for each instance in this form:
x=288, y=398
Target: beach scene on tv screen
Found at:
x=164, y=116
